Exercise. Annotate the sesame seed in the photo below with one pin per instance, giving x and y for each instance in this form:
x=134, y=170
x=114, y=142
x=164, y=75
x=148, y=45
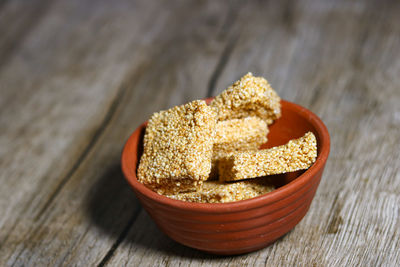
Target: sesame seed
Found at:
x=249, y=96
x=281, y=159
x=218, y=192
x=234, y=135
x=178, y=148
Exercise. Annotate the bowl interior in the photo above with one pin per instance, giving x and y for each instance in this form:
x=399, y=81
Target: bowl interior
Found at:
x=294, y=123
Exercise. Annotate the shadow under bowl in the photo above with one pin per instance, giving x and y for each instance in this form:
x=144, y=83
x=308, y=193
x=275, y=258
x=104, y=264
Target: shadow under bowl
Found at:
x=242, y=226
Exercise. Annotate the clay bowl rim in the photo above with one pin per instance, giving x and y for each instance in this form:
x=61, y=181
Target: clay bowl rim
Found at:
x=248, y=204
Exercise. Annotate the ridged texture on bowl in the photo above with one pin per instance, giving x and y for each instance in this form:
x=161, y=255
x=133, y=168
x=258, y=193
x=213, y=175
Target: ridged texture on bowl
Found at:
x=243, y=226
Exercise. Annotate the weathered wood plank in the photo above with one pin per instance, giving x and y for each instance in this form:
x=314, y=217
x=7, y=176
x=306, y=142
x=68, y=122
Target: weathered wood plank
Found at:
x=14, y=27
x=50, y=120
x=83, y=220
x=57, y=92
x=322, y=55
x=69, y=203
x=336, y=71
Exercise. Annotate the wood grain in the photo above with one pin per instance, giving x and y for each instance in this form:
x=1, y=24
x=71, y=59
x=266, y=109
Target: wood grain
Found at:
x=76, y=79
x=51, y=117
x=155, y=77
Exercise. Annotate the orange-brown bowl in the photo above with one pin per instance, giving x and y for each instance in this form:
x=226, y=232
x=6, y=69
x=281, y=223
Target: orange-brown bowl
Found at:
x=242, y=226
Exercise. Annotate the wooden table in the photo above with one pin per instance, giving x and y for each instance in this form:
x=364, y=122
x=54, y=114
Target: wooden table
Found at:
x=76, y=78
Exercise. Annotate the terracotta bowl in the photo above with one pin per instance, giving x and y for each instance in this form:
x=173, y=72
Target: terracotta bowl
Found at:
x=242, y=226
